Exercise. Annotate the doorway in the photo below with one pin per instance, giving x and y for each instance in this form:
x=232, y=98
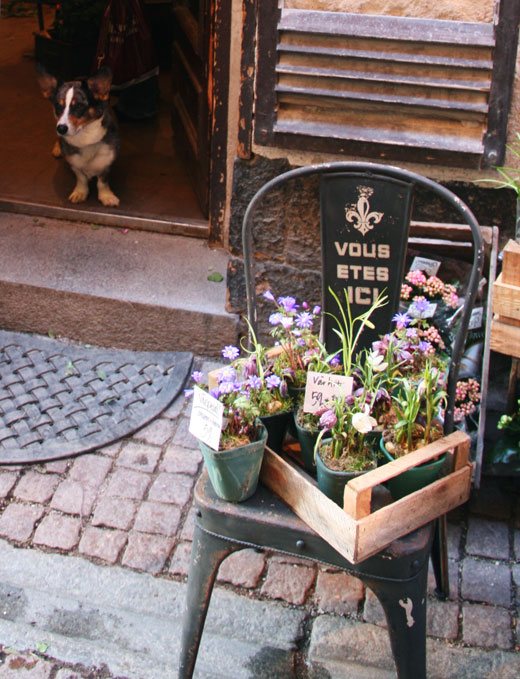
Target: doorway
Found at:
x=155, y=176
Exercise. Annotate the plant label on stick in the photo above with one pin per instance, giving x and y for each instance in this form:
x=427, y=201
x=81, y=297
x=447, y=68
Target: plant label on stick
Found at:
x=321, y=388
x=206, y=418
x=429, y=266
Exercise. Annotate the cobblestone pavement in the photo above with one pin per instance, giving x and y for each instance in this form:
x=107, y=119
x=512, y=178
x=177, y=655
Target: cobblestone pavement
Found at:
x=129, y=506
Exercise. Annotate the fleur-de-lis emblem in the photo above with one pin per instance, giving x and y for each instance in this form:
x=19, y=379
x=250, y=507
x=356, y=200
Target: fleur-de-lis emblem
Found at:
x=359, y=215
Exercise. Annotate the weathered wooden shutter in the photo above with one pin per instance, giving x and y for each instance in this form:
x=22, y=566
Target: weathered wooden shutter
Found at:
x=385, y=86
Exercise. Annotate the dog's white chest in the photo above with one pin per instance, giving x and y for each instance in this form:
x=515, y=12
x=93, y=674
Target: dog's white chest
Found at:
x=93, y=160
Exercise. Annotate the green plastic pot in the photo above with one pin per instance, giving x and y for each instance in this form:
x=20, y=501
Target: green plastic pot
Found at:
x=331, y=482
x=413, y=479
x=276, y=426
x=307, y=441
x=234, y=473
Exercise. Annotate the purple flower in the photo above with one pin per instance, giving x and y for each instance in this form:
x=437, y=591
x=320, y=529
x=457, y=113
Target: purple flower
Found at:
x=401, y=320
x=272, y=381
x=254, y=382
x=197, y=376
x=411, y=332
x=305, y=305
x=227, y=374
x=424, y=346
x=284, y=391
x=316, y=310
x=304, y=320
x=226, y=388
x=230, y=352
x=421, y=306
x=250, y=367
x=328, y=419
x=215, y=392
x=335, y=361
x=269, y=296
x=286, y=322
x=188, y=393
x=288, y=304
x=275, y=318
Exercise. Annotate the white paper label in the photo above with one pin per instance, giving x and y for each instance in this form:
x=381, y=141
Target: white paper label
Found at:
x=429, y=266
x=476, y=318
x=206, y=418
x=323, y=387
x=427, y=312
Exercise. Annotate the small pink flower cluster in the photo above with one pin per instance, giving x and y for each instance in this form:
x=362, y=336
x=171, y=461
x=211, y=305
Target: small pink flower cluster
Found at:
x=467, y=396
x=432, y=287
x=432, y=335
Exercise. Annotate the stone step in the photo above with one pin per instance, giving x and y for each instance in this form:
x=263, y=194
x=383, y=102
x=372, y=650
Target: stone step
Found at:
x=112, y=287
x=130, y=622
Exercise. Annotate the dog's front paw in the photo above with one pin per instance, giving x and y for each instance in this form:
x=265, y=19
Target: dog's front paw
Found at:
x=108, y=198
x=56, y=150
x=79, y=195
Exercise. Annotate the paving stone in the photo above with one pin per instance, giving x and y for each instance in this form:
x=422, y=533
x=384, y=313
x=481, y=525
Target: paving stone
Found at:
x=516, y=575
x=487, y=538
x=90, y=470
x=290, y=583
x=491, y=501
x=180, y=563
x=173, y=412
x=486, y=626
x=442, y=619
x=18, y=520
x=56, y=467
x=179, y=460
x=147, y=552
x=454, y=540
x=516, y=544
x=65, y=673
x=373, y=612
x=290, y=559
x=113, y=449
x=7, y=481
x=114, y=512
x=139, y=457
x=58, y=531
x=453, y=577
x=182, y=435
x=36, y=487
x=486, y=581
x=243, y=568
x=188, y=527
x=338, y=592
x=73, y=497
x=102, y=544
x=172, y=488
x=157, y=518
x=157, y=432
x=127, y=483
x=21, y=665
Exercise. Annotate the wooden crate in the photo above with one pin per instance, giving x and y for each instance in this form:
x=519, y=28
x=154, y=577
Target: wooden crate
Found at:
x=505, y=327
x=511, y=263
x=356, y=531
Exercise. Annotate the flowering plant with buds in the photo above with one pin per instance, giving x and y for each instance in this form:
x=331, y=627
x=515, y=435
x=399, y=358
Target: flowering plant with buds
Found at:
x=346, y=421
x=418, y=286
x=293, y=328
x=467, y=398
x=416, y=407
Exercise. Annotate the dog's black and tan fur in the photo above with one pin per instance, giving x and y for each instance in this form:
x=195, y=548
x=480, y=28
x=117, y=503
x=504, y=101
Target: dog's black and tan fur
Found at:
x=87, y=132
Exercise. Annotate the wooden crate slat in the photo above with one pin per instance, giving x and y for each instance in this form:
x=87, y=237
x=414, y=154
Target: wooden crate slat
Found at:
x=506, y=299
x=511, y=263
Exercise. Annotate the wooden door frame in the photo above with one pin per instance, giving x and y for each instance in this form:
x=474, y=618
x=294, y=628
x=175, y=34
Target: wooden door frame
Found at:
x=218, y=97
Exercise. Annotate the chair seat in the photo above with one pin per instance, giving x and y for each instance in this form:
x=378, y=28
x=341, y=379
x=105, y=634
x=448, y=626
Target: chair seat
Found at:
x=266, y=522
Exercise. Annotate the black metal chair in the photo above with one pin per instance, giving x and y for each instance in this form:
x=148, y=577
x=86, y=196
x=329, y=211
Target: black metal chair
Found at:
x=399, y=572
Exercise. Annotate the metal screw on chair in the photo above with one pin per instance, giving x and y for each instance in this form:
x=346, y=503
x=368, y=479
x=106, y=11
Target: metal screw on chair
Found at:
x=300, y=544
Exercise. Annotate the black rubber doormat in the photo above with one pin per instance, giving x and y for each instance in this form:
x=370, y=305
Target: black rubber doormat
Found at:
x=59, y=399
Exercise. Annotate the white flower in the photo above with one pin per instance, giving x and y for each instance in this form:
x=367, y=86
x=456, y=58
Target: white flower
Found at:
x=364, y=422
x=376, y=361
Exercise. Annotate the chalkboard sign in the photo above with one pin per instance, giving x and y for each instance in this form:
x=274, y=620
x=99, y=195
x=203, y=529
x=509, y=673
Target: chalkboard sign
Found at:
x=365, y=221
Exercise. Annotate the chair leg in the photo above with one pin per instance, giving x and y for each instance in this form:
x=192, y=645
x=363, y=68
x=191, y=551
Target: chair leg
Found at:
x=207, y=553
x=440, y=558
x=405, y=609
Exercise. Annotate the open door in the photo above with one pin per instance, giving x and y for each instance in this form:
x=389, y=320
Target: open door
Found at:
x=190, y=82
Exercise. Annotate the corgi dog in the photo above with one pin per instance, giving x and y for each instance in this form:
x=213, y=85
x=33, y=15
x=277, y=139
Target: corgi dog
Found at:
x=87, y=132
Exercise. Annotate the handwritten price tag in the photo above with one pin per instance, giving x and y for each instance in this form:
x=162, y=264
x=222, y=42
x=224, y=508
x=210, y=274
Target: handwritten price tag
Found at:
x=206, y=418
x=429, y=266
x=322, y=388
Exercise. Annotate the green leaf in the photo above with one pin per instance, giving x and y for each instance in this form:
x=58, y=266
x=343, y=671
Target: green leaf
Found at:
x=216, y=277
x=42, y=646
x=101, y=374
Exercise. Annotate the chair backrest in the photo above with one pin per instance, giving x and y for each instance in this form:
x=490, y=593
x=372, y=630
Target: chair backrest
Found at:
x=365, y=213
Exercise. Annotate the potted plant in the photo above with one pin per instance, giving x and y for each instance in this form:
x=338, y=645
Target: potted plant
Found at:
x=343, y=450
x=413, y=422
x=234, y=468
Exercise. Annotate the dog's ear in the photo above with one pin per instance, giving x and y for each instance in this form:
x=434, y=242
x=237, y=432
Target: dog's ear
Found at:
x=47, y=82
x=100, y=83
